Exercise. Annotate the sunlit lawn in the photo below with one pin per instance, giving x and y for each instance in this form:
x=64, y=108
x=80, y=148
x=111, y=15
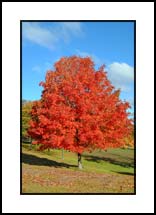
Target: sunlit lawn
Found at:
x=103, y=172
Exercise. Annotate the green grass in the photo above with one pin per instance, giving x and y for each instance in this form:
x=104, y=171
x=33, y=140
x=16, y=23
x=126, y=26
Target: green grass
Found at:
x=103, y=172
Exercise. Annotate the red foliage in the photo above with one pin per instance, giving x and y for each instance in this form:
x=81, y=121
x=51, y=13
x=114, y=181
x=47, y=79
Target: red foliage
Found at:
x=79, y=109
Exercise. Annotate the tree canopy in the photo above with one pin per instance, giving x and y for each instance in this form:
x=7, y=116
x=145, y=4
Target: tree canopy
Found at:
x=79, y=109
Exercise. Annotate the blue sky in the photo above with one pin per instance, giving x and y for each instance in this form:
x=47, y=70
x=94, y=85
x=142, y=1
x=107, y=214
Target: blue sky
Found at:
x=109, y=43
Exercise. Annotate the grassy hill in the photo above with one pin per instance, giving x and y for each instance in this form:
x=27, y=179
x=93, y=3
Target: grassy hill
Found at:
x=103, y=172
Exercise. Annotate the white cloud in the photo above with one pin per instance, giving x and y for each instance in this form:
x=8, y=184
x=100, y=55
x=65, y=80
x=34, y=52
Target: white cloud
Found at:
x=96, y=59
x=131, y=101
x=48, y=65
x=121, y=75
x=36, y=69
x=69, y=29
x=73, y=27
x=49, y=36
x=42, y=69
x=39, y=35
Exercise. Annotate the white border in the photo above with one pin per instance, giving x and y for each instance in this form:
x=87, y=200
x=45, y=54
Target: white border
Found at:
x=143, y=13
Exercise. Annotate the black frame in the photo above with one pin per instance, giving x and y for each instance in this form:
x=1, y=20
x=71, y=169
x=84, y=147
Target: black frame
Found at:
x=134, y=21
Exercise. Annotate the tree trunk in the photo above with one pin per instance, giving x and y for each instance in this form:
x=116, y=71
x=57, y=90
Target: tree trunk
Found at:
x=79, y=161
x=30, y=147
x=62, y=154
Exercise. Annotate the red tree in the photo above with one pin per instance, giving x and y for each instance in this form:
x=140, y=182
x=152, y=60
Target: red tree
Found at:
x=79, y=109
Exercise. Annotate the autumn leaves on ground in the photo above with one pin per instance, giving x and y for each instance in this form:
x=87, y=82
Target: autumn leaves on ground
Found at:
x=103, y=172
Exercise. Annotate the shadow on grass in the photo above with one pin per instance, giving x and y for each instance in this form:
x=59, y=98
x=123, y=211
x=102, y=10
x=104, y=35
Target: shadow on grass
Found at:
x=128, y=163
x=125, y=173
x=34, y=160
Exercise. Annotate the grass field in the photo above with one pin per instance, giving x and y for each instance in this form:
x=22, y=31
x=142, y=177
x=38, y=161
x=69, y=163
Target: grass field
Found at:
x=103, y=172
